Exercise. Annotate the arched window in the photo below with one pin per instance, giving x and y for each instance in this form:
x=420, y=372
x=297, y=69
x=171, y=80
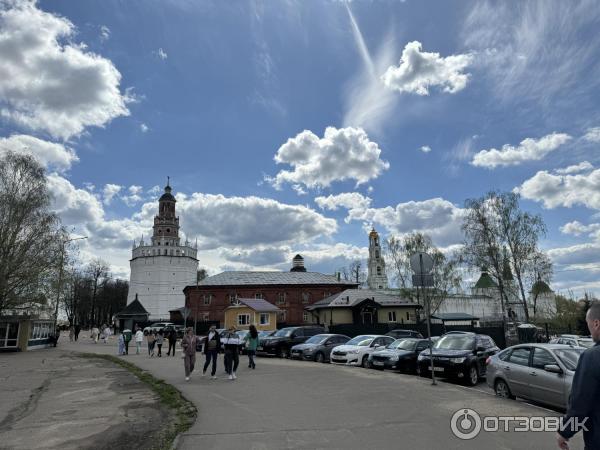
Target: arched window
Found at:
x=378, y=270
x=376, y=254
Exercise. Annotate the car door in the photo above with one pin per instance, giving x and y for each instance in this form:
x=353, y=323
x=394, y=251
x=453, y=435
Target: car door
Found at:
x=297, y=337
x=490, y=349
x=515, y=370
x=545, y=387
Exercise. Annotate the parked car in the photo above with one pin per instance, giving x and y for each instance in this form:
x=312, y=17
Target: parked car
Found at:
x=318, y=348
x=156, y=327
x=242, y=334
x=398, y=333
x=573, y=341
x=399, y=355
x=538, y=372
x=281, y=342
x=459, y=355
x=356, y=351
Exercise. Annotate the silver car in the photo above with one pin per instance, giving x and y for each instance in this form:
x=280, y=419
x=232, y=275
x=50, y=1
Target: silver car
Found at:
x=538, y=372
x=573, y=341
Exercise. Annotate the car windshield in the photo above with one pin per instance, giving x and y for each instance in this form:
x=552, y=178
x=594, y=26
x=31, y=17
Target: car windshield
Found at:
x=455, y=342
x=587, y=343
x=569, y=357
x=361, y=341
x=284, y=332
x=404, y=344
x=318, y=339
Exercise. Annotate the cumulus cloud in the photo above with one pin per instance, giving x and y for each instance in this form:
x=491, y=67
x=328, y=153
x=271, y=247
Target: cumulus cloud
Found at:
x=425, y=149
x=342, y=154
x=135, y=195
x=528, y=150
x=48, y=83
x=162, y=54
x=581, y=167
x=347, y=200
x=592, y=134
x=563, y=190
x=49, y=154
x=109, y=191
x=75, y=206
x=418, y=71
x=576, y=228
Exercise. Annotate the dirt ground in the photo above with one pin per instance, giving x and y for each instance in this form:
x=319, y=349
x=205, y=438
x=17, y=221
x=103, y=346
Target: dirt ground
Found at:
x=52, y=399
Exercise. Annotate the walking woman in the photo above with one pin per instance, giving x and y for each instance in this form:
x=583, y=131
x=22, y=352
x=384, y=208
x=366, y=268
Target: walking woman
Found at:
x=151, y=338
x=172, y=337
x=231, y=342
x=160, y=338
x=210, y=347
x=251, y=343
x=189, y=352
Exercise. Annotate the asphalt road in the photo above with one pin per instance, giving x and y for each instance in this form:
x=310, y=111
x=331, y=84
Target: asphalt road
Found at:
x=301, y=405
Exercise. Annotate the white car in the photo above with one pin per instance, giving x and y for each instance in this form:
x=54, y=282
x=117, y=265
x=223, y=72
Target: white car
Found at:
x=156, y=327
x=356, y=351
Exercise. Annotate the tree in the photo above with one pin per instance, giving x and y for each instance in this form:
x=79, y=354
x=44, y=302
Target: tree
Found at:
x=353, y=272
x=539, y=274
x=446, y=276
x=29, y=233
x=97, y=271
x=201, y=275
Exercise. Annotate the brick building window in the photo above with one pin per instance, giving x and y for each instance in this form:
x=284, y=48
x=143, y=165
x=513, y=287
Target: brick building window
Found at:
x=281, y=298
x=207, y=299
x=258, y=295
x=282, y=316
x=205, y=317
x=233, y=299
x=306, y=297
x=391, y=316
x=305, y=317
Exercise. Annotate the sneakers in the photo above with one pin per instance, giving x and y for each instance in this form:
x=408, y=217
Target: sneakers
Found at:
x=233, y=375
x=214, y=377
x=203, y=373
x=187, y=378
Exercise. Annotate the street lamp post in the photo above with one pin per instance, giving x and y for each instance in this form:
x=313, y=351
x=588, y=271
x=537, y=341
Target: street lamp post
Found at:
x=60, y=275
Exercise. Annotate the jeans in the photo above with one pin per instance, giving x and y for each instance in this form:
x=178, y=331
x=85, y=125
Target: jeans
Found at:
x=232, y=360
x=138, y=347
x=211, y=355
x=251, y=354
x=159, y=349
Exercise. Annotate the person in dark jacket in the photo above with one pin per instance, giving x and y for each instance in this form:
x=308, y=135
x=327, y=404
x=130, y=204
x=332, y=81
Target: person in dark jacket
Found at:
x=210, y=347
x=172, y=337
x=584, y=402
x=231, y=343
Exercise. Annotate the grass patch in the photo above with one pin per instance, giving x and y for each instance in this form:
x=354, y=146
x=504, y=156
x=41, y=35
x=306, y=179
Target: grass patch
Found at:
x=184, y=410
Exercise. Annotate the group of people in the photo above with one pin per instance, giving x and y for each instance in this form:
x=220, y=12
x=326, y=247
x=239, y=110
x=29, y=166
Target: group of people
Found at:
x=211, y=346
x=154, y=339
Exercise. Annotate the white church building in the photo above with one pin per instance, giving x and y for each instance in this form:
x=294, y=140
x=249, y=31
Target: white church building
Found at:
x=162, y=268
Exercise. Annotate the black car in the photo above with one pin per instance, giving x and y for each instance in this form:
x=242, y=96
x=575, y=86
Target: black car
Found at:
x=318, y=348
x=283, y=340
x=398, y=334
x=459, y=355
x=399, y=355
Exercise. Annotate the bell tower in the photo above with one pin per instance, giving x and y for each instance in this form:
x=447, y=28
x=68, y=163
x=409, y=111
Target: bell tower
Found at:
x=377, y=278
x=166, y=223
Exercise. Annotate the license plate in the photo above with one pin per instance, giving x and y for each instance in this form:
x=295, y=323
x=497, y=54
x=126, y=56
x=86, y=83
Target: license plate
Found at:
x=259, y=348
x=437, y=369
x=377, y=363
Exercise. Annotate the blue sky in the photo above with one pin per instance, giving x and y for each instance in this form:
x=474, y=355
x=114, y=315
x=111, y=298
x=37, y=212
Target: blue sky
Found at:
x=232, y=100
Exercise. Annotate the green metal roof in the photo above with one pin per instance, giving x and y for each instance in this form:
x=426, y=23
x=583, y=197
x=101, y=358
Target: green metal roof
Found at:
x=485, y=282
x=540, y=287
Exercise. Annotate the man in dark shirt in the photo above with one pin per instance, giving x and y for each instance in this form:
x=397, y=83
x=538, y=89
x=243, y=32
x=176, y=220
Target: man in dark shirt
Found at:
x=585, y=391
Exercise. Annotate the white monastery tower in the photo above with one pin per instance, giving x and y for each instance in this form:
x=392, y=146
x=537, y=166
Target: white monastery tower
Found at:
x=161, y=269
x=376, y=278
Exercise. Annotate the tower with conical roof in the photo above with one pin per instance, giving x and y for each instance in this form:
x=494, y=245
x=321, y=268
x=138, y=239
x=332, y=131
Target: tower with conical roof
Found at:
x=161, y=268
x=376, y=278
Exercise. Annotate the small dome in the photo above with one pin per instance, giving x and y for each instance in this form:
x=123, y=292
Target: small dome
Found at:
x=167, y=196
x=373, y=233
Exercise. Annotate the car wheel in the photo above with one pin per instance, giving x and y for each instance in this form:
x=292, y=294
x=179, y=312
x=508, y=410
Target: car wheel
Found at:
x=473, y=376
x=279, y=352
x=502, y=390
x=422, y=373
x=365, y=361
x=320, y=357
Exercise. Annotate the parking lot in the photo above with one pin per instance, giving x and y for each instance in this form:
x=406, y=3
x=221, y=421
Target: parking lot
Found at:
x=296, y=404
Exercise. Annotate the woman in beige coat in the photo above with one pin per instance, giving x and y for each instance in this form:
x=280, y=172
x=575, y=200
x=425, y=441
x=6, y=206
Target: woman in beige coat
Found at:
x=189, y=352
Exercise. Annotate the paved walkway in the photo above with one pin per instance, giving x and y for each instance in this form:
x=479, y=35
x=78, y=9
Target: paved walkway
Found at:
x=53, y=399
x=299, y=405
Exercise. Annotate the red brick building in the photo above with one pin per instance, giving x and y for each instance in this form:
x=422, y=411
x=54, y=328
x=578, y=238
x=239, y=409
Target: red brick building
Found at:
x=290, y=291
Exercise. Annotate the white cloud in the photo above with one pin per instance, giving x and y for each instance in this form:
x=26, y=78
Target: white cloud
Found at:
x=563, y=190
x=418, y=71
x=48, y=84
x=75, y=206
x=49, y=154
x=104, y=33
x=425, y=149
x=109, y=191
x=528, y=150
x=144, y=128
x=581, y=167
x=576, y=228
x=299, y=189
x=592, y=135
x=134, y=196
x=89, y=186
x=342, y=154
x=347, y=200
x=162, y=54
